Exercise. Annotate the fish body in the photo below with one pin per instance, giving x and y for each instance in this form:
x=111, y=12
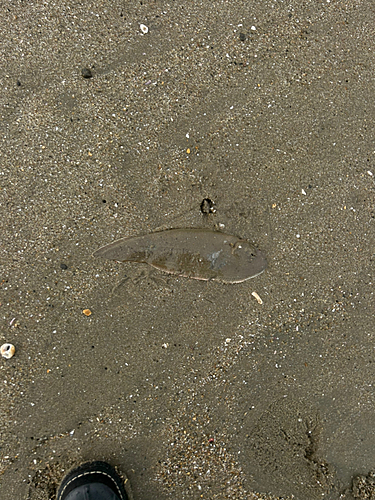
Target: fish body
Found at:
x=193, y=253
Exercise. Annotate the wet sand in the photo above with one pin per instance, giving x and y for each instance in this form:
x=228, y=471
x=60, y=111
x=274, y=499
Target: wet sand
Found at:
x=193, y=389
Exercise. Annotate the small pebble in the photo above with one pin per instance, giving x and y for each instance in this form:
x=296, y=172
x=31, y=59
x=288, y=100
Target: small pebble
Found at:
x=143, y=28
x=87, y=312
x=86, y=73
x=7, y=350
x=208, y=206
x=242, y=37
x=63, y=266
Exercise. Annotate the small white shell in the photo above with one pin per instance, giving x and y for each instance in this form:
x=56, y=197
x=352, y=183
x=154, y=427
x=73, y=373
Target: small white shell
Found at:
x=143, y=28
x=7, y=350
x=258, y=299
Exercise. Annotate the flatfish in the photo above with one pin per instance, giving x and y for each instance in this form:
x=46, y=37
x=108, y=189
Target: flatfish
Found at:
x=194, y=253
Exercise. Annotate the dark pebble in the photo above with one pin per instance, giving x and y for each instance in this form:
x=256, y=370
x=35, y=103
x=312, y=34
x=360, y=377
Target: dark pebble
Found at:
x=18, y=83
x=63, y=266
x=242, y=37
x=208, y=206
x=86, y=73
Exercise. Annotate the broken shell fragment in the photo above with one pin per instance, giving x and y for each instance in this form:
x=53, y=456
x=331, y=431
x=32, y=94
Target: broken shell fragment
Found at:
x=258, y=299
x=7, y=350
x=143, y=28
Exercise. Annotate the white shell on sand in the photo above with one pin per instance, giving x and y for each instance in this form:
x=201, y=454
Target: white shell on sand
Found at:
x=7, y=350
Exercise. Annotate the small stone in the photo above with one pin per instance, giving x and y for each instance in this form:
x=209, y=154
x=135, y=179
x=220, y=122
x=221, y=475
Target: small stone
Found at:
x=242, y=37
x=143, y=28
x=208, y=206
x=63, y=266
x=18, y=83
x=7, y=350
x=86, y=73
x=87, y=312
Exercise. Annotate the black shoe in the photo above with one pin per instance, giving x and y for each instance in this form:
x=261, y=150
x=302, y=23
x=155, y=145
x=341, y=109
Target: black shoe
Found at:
x=94, y=481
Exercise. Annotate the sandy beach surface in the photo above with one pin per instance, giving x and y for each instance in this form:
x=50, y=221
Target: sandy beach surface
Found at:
x=251, y=118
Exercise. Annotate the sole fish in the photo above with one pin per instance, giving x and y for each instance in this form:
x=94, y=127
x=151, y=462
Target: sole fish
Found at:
x=193, y=253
